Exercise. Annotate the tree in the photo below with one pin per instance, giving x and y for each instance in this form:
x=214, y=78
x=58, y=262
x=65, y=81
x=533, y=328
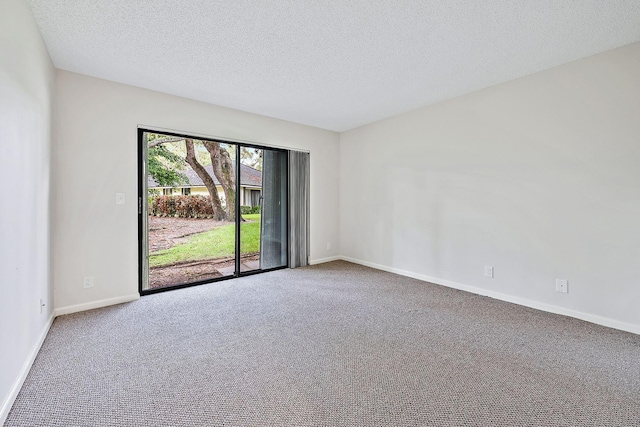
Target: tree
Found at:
x=222, y=165
x=223, y=170
x=218, y=212
x=164, y=166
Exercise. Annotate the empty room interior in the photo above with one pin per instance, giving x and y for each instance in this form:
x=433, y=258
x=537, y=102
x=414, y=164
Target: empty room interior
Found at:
x=320, y=213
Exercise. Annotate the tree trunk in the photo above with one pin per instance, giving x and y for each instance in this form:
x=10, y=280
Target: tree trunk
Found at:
x=218, y=211
x=223, y=170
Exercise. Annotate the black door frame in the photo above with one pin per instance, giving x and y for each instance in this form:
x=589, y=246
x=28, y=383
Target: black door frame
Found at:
x=143, y=201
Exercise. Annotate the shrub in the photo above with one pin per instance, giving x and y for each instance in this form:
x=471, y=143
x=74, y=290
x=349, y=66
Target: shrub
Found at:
x=181, y=206
x=248, y=210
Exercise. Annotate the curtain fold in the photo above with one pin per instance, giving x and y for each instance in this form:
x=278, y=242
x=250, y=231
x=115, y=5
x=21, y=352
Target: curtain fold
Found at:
x=298, y=209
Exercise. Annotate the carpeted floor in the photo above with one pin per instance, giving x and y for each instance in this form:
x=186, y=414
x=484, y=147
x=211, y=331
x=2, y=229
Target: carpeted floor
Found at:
x=335, y=344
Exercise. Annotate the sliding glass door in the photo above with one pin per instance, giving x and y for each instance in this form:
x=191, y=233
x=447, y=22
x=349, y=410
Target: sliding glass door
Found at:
x=209, y=210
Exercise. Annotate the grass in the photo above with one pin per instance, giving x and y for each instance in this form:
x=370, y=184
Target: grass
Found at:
x=217, y=243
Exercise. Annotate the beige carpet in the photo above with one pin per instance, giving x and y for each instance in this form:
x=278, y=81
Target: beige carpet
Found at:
x=330, y=345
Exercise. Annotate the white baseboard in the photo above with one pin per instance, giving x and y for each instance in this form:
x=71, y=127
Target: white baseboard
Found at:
x=599, y=320
x=95, y=304
x=323, y=260
x=26, y=367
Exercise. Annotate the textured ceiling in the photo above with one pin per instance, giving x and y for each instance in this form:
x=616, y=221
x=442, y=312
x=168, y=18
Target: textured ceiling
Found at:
x=334, y=64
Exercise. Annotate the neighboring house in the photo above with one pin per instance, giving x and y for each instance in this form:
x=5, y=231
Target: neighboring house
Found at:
x=250, y=185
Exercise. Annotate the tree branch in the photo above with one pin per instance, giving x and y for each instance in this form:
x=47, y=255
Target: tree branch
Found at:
x=165, y=140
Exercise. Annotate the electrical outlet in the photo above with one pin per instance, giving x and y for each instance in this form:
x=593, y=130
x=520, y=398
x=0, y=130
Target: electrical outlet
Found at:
x=87, y=282
x=488, y=271
x=42, y=304
x=562, y=285
x=119, y=198
x=329, y=246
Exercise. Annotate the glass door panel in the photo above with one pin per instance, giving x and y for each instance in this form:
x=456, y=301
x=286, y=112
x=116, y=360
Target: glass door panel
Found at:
x=273, y=239
x=263, y=224
x=190, y=230
x=251, y=178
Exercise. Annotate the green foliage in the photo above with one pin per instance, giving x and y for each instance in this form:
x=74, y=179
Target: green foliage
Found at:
x=248, y=156
x=246, y=210
x=178, y=148
x=216, y=243
x=165, y=167
x=192, y=206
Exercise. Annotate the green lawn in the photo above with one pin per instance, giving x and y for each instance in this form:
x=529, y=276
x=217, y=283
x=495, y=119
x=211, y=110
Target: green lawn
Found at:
x=216, y=243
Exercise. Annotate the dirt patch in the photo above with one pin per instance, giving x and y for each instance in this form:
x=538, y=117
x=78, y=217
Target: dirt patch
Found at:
x=160, y=277
x=166, y=232
x=195, y=271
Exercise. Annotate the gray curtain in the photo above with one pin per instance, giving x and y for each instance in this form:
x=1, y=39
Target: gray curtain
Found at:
x=298, y=209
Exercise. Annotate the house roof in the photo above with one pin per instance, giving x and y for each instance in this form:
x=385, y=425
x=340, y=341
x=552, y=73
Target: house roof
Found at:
x=249, y=177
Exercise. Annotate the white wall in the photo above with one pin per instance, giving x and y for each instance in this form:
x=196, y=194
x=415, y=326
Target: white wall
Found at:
x=26, y=91
x=539, y=177
x=96, y=156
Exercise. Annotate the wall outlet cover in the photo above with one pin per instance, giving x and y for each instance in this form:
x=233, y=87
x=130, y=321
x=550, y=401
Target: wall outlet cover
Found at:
x=87, y=282
x=562, y=285
x=488, y=271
